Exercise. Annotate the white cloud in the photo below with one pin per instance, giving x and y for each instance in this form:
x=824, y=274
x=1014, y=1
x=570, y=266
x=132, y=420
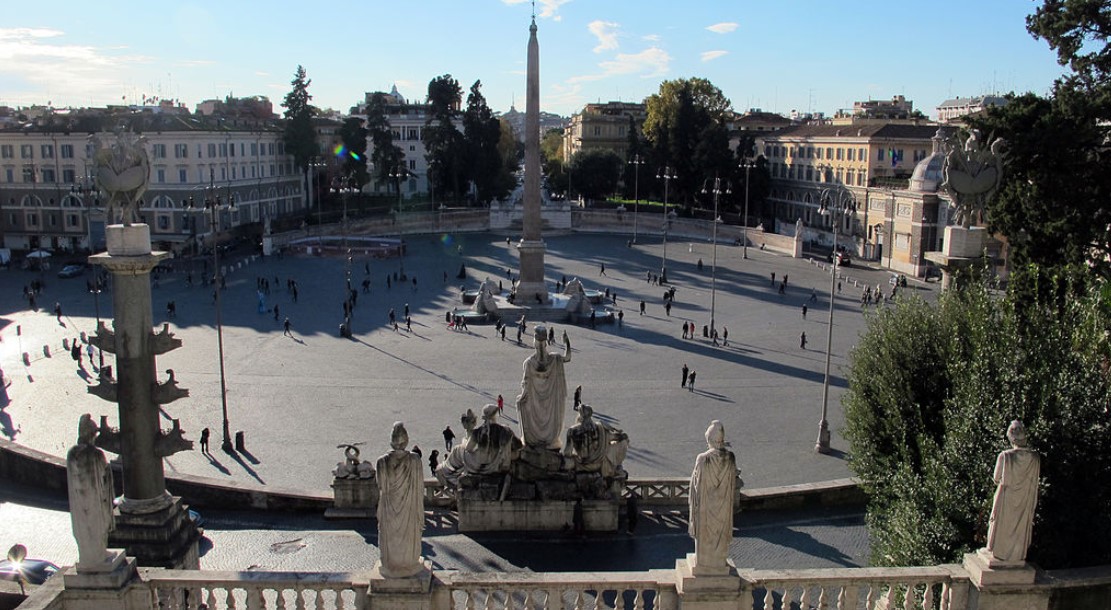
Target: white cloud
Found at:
x=651, y=37
x=606, y=33
x=548, y=8
x=261, y=73
x=49, y=67
x=651, y=62
x=712, y=55
x=722, y=28
x=195, y=63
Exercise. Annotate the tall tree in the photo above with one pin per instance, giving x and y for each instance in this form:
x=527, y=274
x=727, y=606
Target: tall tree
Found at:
x=551, y=158
x=443, y=144
x=634, y=151
x=385, y=157
x=354, y=137
x=679, y=117
x=485, y=166
x=299, y=135
x=596, y=172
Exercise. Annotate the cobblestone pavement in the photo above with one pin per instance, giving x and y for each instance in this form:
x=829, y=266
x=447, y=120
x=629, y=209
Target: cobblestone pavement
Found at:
x=298, y=397
x=258, y=541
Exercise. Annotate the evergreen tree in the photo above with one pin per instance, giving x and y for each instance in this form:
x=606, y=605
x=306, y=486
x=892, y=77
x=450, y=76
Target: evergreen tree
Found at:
x=482, y=133
x=596, y=173
x=386, y=158
x=444, y=146
x=354, y=137
x=299, y=135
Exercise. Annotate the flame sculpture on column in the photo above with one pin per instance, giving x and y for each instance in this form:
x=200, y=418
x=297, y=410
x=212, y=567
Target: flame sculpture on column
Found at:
x=151, y=524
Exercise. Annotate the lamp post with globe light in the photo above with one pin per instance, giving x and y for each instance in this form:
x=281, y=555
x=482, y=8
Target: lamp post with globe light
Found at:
x=837, y=203
x=636, y=162
x=717, y=190
x=748, y=165
x=667, y=174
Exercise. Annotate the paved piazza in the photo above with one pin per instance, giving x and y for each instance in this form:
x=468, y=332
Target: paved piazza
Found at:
x=297, y=398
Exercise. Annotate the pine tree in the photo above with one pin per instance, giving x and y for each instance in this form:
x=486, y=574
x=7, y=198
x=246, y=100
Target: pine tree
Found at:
x=299, y=136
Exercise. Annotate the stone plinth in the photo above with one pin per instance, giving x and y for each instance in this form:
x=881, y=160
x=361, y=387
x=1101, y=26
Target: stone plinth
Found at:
x=354, y=499
x=703, y=589
x=531, y=282
x=133, y=240
x=1003, y=586
x=413, y=593
x=165, y=538
x=523, y=515
x=964, y=242
x=113, y=574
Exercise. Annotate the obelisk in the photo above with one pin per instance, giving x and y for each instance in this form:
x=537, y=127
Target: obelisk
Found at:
x=531, y=247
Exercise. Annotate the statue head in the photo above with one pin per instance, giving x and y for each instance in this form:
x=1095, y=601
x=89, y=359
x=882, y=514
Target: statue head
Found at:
x=715, y=435
x=399, y=438
x=469, y=421
x=586, y=412
x=540, y=333
x=489, y=413
x=86, y=430
x=1016, y=433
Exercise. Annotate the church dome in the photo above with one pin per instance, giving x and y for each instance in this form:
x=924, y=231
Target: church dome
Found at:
x=928, y=176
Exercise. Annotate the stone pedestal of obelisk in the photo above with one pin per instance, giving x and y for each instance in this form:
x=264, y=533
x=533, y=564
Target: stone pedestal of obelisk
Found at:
x=151, y=525
x=530, y=288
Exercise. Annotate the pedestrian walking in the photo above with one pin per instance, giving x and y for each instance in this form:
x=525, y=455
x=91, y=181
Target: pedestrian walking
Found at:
x=667, y=308
x=802, y=340
x=276, y=310
x=838, y=286
x=449, y=438
x=414, y=283
x=724, y=336
x=602, y=269
x=58, y=311
x=804, y=311
x=700, y=264
x=642, y=308
x=433, y=461
x=501, y=403
x=578, y=398
x=593, y=322
x=784, y=279
x=620, y=317
x=686, y=374
x=813, y=295
x=406, y=310
x=287, y=326
x=408, y=324
x=773, y=279
x=392, y=316
x=690, y=382
x=503, y=332
x=204, y=441
x=388, y=285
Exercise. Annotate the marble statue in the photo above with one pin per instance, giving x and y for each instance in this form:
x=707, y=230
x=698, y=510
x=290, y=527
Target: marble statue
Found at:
x=491, y=447
x=485, y=302
x=454, y=464
x=543, y=397
x=973, y=171
x=595, y=446
x=90, y=496
x=400, y=507
x=1016, y=496
x=577, y=301
x=351, y=467
x=713, y=484
x=122, y=173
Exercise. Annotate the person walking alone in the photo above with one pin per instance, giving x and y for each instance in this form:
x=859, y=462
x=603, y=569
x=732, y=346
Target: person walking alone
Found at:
x=804, y=311
x=449, y=438
x=287, y=326
x=686, y=374
x=204, y=441
x=802, y=340
x=690, y=382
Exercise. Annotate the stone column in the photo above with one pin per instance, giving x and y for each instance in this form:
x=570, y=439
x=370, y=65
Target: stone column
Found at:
x=531, y=248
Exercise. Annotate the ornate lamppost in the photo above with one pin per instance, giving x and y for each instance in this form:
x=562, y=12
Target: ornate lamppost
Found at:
x=748, y=165
x=214, y=204
x=345, y=186
x=667, y=174
x=837, y=204
x=717, y=190
x=636, y=162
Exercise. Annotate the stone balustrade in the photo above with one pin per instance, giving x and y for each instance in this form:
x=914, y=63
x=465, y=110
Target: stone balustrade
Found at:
x=928, y=588
x=191, y=590
x=652, y=590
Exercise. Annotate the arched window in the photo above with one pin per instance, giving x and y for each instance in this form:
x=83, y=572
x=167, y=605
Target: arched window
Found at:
x=31, y=201
x=71, y=201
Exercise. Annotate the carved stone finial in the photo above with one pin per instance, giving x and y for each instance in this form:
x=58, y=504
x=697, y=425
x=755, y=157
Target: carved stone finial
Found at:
x=168, y=392
x=164, y=341
x=973, y=171
x=104, y=339
x=174, y=441
x=105, y=389
x=122, y=173
x=109, y=438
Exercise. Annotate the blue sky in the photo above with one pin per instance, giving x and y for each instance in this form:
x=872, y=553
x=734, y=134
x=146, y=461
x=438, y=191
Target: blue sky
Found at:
x=780, y=55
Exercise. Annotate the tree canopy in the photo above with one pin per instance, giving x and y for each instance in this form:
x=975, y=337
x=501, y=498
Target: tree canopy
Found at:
x=354, y=137
x=385, y=157
x=444, y=146
x=485, y=161
x=932, y=389
x=595, y=173
x=299, y=136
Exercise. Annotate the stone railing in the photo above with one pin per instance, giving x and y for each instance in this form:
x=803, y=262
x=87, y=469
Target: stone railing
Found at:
x=933, y=588
x=654, y=590
x=190, y=590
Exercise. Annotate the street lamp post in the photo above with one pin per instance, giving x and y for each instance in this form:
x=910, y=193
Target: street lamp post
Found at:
x=748, y=165
x=315, y=163
x=666, y=174
x=636, y=163
x=836, y=208
x=94, y=289
x=717, y=191
x=345, y=186
x=213, y=203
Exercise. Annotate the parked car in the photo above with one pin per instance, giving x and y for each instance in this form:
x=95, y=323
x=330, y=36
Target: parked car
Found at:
x=843, y=258
x=71, y=271
x=32, y=571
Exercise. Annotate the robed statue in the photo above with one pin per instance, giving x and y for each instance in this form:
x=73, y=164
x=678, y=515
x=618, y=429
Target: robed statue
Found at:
x=713, y=484
x=400, y=507
x=90, y=497
x=1016, y=497
x=543, y=397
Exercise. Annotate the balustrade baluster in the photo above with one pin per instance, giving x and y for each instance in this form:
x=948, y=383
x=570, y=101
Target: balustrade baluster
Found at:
x=769, y=598
x=299, y=602
x=229, y=598
x=786, y=605
x=841, y=595
x=488, y=603
x=255, y=599
x=579, y=599
x=598, y=602
x=889, y=601
x=279, y=598
x=508, y=600
x=528, y=602
x=196, y=594
x=341, y=601
x=804, y=600
x=946, y=596
x=870, y=601
x=908, y=600
x=638, y=600
x=210, y=599
x=555, y=599
x=822, y=604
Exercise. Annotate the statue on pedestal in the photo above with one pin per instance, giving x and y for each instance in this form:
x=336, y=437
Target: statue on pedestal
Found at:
x=543, y=395
x=122, y=174
x=454, y=464
x=713, y=484
x=90, y=497
x=400, y=508
x=1016, y=497
x=491, y=447
x=973, y=171
x=594, y=446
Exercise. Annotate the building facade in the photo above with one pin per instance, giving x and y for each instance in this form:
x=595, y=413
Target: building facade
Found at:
x=870, y=165
x=48, y=199
x=954, y=110
x=602, y=127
